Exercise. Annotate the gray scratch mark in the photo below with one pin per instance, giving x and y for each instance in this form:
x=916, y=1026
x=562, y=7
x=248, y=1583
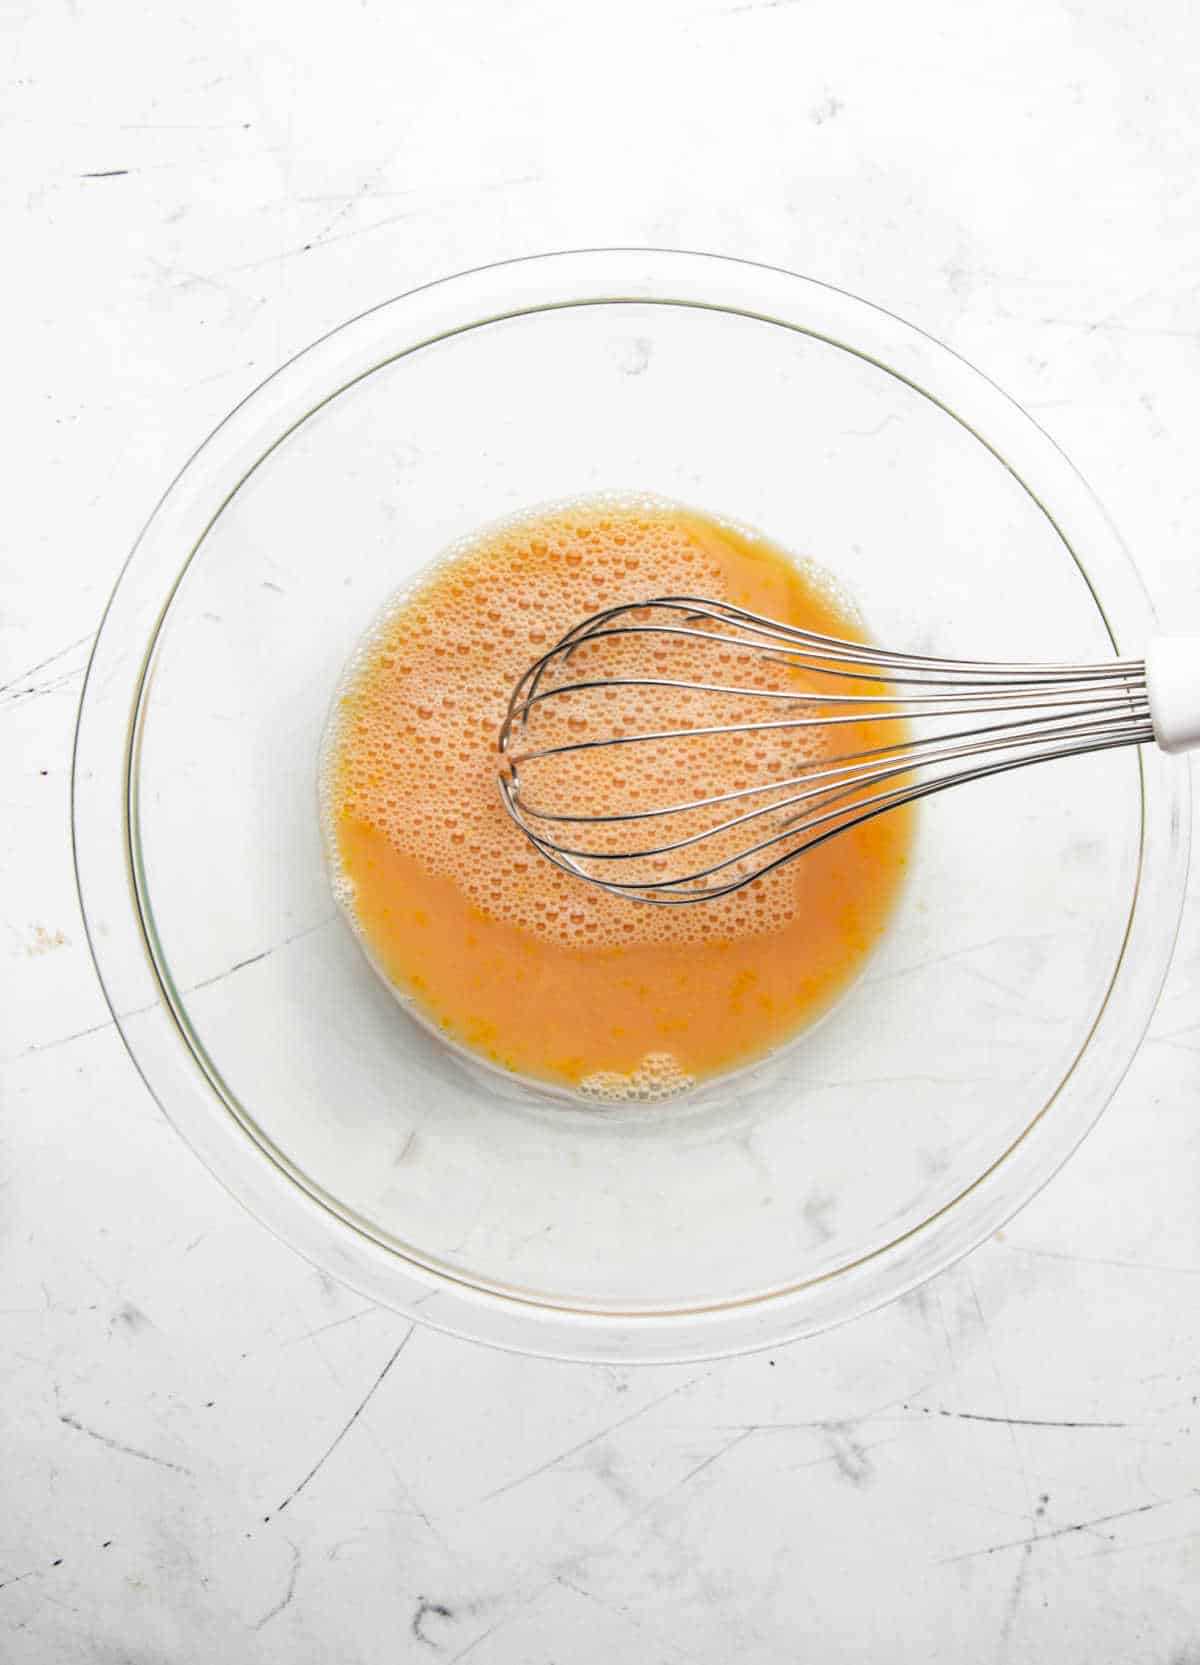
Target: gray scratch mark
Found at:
x=174, y=276
x=505, y=1620
x=79, y=1034
x=954, y=954
x=319, y=242
x=1012, y=1604
x=951, y=1351
x=20, y=1577
x=346, y=1426
x=253, y=959
x=876, y=427
x=218, y=376
x=323, y=239
x=366, y=192
x=41, y=690
x=607, y=1606
x=994, y=982
x=812, y=1426
x=350, y=197
x=42, y=663
x=334, y=1324
x=117, y=1445
x=238, y=965
x=849, y=1454
x=592, y=1439
x=685, y=1479
x=1014, y=1600
x=1100, y=1260
x=1066, y=1531
x=1109, y=326
x=106, y=173
x=1150, y=1543
x=1015, y=1421
x=471, y=1646
x=421, y=1612
x=146, y=126
x=518, y=1243
x=836, y=1456
x=290, y=1591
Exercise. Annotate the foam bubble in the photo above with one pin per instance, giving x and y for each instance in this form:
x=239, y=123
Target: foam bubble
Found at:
x=659, y=1075
x=410, y=748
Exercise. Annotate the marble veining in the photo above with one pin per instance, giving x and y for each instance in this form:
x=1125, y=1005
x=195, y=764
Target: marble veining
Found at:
x=211, y=1451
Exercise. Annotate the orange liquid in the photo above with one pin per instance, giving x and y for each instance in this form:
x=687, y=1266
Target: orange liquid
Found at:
x=532, y=968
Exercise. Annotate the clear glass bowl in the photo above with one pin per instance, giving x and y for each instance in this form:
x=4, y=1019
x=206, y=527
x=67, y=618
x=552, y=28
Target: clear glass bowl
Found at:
x=948, y=1085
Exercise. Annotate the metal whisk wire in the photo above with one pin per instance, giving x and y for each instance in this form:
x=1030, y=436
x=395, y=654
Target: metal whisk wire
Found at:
x=1019, y=714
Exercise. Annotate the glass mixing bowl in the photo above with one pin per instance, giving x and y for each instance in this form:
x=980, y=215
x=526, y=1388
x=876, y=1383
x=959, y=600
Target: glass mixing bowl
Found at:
x=986, y=1033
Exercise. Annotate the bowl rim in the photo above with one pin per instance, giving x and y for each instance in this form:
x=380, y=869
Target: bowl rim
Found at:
x=147, y=1009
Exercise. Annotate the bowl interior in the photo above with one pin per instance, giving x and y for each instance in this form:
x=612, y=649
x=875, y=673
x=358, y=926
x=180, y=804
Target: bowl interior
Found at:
x=968, y=1019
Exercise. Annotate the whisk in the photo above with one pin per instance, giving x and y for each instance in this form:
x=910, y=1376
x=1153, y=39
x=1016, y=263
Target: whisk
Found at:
x=887, y=728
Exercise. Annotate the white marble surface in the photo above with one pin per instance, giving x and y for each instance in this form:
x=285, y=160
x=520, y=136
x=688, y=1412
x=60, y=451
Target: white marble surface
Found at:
x=1005, y=1467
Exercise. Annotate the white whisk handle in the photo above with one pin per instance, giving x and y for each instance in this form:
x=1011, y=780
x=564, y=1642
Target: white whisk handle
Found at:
x=1173, y=684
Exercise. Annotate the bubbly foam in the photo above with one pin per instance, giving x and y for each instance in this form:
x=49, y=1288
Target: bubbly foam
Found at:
x=657, y=1076
x=411, y=747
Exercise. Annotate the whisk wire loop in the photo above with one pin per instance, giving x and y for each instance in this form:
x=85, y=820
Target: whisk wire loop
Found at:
x=1016, y=715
